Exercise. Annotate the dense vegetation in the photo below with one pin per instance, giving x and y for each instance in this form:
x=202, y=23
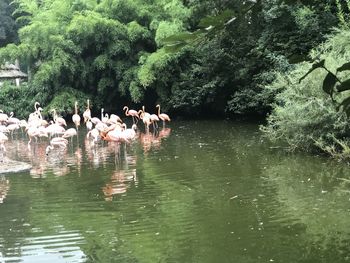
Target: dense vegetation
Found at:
x=223, y=58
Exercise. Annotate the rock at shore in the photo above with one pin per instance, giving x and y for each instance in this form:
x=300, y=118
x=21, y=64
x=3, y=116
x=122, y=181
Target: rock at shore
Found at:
x=11, y=166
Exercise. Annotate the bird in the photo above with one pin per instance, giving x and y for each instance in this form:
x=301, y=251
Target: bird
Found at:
x=69, y=133
x=154, y=119
x=3, y=139
x=146, y=118
x=58, y=120
x=94, y=133
x=56, y=142
x=164, y=117
x=12, y=120
x=87, y=112
x=76, y=117
x=130, y=133
x=88, y=125
x=132, y=113
x=3, y=117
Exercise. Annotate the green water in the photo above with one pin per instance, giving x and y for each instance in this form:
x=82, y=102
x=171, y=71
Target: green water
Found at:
x=203, y=191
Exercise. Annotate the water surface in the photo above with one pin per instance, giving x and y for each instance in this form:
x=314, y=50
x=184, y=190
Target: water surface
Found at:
x=197, y=191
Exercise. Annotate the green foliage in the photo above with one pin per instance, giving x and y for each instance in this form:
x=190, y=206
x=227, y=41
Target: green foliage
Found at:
x=137, y=33
x=152, y=65
x=8, y=27
x=16, y=99
x=306, y=117
x=64, y=101
x=190, y=56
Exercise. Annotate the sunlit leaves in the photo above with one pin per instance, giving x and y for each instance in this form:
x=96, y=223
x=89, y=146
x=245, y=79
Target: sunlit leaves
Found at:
x=319, y=64
x=166, y=29
x=136, y=32
x=153, y=65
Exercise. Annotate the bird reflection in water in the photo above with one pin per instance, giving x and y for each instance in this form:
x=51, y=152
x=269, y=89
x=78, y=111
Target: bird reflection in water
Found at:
x=122, y=177
x=4, y=188
x=61, y=161
x=119, y=183
x=153, y=140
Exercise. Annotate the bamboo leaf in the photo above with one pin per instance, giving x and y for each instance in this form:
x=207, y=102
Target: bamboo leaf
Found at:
x=329, y=83
x=317, y=65
x=345, y=105
x=182, y=37
x=213, y=21
x=343, y=67
x=345, y=85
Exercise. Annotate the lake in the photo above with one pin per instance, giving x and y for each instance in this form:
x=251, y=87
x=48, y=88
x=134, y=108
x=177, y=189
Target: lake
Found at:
x=196, y=191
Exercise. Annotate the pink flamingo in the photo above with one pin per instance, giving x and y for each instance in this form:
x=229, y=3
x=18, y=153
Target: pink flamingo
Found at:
x=94, y=133
x=146, y=118
x=3, y=139
x=130, y=133
x=154, y=119
x=3, y=117
x=87, y=112
x=76, y=117
x=69, y=133
x=132, y=113
x=58, y=120
x=164, y=117
x=58, y=142
x=12, y=120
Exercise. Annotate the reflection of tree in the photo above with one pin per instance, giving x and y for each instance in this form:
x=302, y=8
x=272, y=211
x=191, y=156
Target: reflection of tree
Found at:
x=207, y=193
x=314, y=203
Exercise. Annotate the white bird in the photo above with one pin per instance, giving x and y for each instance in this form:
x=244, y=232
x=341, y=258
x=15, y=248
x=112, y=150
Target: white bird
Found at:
x=56, y=142
x=76, y=117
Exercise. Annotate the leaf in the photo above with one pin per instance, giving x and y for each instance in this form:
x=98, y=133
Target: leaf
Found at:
x=174, y=48
x=329, y=83
x=343, y=67
x=216, y=20
x=317, y=65
x=181, y=37
x=345, y=104
x=345, y=85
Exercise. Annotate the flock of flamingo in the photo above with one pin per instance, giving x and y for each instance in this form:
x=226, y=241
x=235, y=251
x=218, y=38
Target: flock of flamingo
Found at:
x=107, y=128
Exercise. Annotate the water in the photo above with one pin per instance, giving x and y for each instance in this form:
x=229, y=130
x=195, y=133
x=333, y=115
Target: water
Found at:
x=204, y=191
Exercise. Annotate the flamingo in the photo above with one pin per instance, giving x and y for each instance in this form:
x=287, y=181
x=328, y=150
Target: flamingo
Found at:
x=69, y=133
x=113, y=119
x=116, y=136
x=154, y=118
x=132, y=113
x=94, y=133
x=12, y=120
x=87, y=112
x=95, y=120
x=58, y=142
x=130, y=133
x=164, y=117
x=55, y=129
x=104, y=118
x=3, y=117
x=33, y=132
x=76, y=117
x=36, y=104
x=58, y=120
x=89, y=125
x=3, y=139
x=146, y=118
